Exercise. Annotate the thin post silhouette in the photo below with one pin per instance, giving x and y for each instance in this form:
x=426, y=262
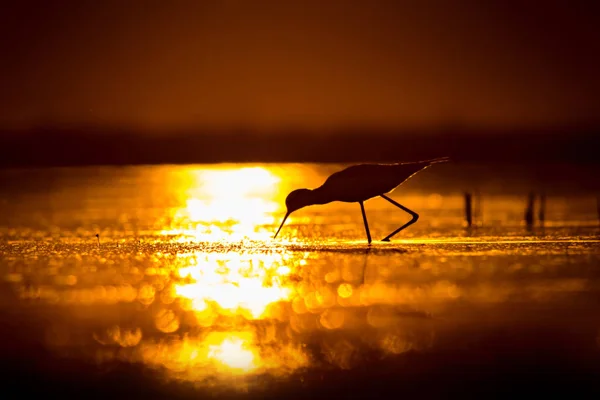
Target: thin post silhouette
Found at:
x=468, y=209
x=542, y=211
x=530, y=211
x=98, y=237
x=478, y=215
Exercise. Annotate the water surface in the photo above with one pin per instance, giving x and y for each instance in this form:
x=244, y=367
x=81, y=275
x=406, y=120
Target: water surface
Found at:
x=185, y=293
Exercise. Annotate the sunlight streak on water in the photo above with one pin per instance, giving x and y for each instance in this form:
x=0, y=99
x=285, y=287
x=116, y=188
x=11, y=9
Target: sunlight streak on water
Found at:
x=248, y=283
x=227, y=204
x=224, y=355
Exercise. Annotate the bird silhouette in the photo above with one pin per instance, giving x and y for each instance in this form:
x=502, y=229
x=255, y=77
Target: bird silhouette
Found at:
x=357, y=184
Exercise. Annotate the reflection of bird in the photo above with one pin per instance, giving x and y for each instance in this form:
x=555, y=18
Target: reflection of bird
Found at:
x=359, y=183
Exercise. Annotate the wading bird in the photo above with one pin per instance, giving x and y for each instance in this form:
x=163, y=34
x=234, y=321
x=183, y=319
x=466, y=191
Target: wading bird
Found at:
x=357, y=184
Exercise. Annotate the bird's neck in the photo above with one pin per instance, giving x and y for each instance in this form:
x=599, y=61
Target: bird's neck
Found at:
x=320, y=196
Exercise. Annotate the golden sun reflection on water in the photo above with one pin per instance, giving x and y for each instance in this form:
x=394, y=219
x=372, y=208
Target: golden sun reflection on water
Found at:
x=226, y=293
x=233, y=352
x=243, y=283
x=225, y=204
x=222, y=355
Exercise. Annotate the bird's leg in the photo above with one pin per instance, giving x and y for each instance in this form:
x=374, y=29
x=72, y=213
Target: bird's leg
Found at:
x=414, y=219
x=362, y=208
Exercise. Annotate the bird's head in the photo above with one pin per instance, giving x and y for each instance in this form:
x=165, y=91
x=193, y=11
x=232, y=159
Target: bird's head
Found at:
x=296, y=200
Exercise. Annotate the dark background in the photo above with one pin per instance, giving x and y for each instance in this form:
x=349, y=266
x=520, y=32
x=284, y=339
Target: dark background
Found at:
x=137, y=82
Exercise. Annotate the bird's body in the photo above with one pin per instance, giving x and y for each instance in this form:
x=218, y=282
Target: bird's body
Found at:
x=365, y=181
x=359, y=183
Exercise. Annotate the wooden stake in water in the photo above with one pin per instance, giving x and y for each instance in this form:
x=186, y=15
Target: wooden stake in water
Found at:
x=468, y=209
x=529, y=211
x=478, y=215
x=542, y=212
x=98, y=237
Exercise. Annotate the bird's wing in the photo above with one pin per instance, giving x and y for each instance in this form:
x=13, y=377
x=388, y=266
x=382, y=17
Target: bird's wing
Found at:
x=362, y=181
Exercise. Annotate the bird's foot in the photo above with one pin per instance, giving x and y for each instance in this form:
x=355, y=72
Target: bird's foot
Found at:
x=385, y=240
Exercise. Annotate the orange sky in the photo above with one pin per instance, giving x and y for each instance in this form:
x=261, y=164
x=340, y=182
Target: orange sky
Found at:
x=314, y=64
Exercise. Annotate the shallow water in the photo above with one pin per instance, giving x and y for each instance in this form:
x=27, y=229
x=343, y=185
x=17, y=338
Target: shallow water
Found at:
x=184, y=292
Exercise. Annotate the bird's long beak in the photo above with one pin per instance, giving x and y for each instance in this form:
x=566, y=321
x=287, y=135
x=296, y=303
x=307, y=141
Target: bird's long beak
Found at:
x=287, y=214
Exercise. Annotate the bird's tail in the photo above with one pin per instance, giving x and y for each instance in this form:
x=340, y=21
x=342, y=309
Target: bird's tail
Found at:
x=437, y=160
x=427, y=162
